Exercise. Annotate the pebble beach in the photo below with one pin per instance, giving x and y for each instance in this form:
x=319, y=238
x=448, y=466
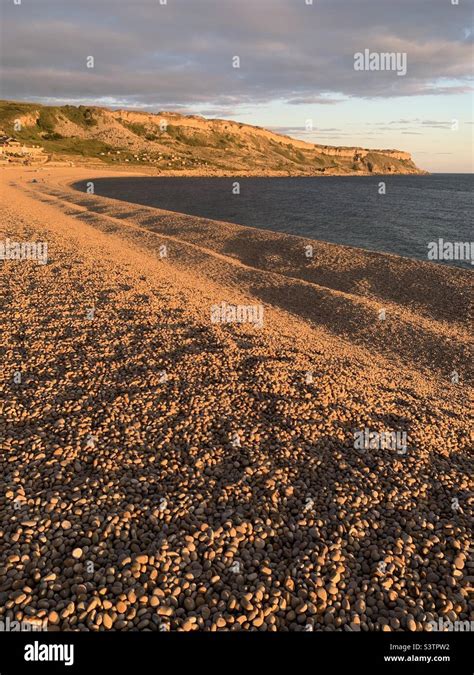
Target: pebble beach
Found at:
x=167, y=467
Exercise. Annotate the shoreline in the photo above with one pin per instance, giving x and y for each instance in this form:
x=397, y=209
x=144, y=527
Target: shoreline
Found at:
x=148, y=170
x=275, y=266
x=72, y=185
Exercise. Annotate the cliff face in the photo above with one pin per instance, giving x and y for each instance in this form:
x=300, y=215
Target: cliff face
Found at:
x=189, y=144
x=353, y=153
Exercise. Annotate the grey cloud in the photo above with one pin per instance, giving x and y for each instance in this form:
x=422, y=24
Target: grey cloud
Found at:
x=180, y=55
x=413, y=123
x=312, y=100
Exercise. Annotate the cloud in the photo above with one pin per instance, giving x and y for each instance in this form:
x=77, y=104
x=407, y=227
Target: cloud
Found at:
x=314, y=100
x=416, y=123
x=180, y=54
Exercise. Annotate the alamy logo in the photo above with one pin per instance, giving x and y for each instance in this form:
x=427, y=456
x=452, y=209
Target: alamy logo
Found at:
x=25, y=250
x=394, y=61
x=225, y=313
x=451, y=250
x=9, y=626
x=447, y=625
x=49, y=652
x=381, y=440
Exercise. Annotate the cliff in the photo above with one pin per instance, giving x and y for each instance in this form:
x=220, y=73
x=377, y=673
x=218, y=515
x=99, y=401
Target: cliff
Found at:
x=189, y=144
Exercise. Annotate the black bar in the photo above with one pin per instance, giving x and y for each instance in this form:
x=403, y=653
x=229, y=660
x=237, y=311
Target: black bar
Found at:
x=152, y=652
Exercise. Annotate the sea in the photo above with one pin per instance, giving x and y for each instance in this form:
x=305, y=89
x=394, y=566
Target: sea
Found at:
x=404, y=215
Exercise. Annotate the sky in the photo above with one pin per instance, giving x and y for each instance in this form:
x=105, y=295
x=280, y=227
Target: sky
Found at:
x=294, y=71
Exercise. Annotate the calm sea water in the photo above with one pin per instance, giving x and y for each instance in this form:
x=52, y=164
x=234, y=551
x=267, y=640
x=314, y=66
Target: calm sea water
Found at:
x=345, y=210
